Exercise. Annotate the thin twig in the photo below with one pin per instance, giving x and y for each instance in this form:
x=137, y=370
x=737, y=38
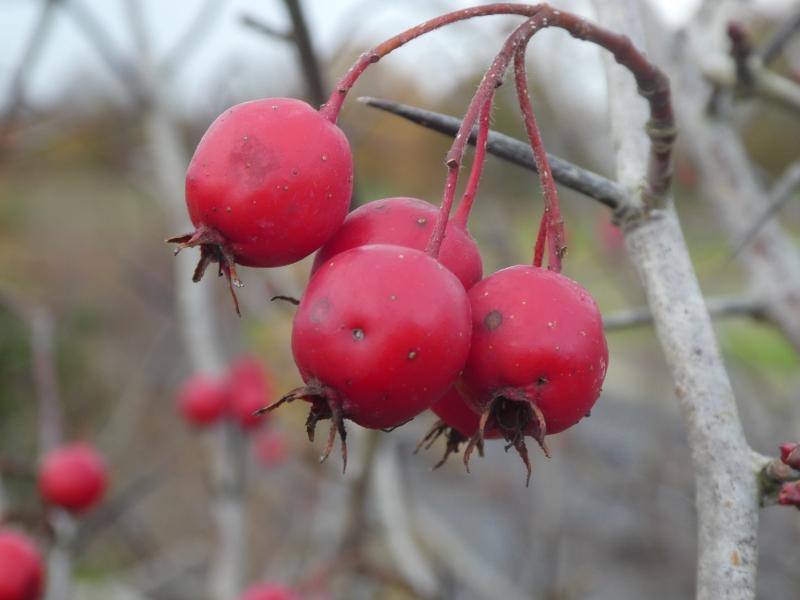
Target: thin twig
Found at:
x=306, y=53
x=25, y=68
x=266, y=29
x=779, y=37
x=204, y=21
x=391, y=502
x=111, y=510
x=735, y=306
x=107, y=50
x=782, y=191
x=454, y=552
x=590, y=184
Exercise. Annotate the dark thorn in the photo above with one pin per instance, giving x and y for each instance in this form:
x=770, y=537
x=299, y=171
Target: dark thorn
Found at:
x=522, y=450
x=433, y=434
x=288, y=299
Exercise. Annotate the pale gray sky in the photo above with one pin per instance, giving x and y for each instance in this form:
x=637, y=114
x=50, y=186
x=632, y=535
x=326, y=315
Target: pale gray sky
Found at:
x=252, y=61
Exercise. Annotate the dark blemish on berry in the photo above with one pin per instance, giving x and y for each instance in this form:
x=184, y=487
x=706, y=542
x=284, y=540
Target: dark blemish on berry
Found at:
x=542, y=380
x=358, y=334
x=295, y=172
x=493, y=320
x=320, y=310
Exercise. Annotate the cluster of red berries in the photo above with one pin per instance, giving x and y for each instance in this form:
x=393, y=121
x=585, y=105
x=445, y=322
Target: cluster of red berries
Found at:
x=396, y=318
x=204, y=400
x=384, y=329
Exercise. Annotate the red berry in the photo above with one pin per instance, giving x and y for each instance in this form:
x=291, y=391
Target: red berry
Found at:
x=20, y=567
x=538, y=355
x=73, y=477
x=610, y=236
x=269, y=591
x=405, y=222
x=454, y=411
x=789, y=494
x=272, y=448
x=790, y=454
x=268, y=184
x=202, y=401
x=249, y=389
x=380, y=334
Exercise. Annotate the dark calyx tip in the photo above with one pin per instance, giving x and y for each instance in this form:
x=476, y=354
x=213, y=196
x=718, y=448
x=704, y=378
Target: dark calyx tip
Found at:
x=214, y=248
x=325, y=404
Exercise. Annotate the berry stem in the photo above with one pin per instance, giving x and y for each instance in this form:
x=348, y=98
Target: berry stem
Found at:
x=330, y=110
x=468, y=199
x=554, y=236
x=538, y=250
x=491, y=80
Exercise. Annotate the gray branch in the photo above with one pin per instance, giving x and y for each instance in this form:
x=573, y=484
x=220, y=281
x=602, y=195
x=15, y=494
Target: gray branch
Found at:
x=735, y=306
x=581, y=180
x=725, y=466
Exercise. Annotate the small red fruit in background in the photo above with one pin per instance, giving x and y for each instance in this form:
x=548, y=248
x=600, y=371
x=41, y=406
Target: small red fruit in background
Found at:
x=202, y=400
x=790, y=454
x=20, y=567
x=269, y=183
x=249, y=389
x=272, y=448
x=405, y=222
x=538, y=356
x=73, y=477
x=269, y=591
x=610, y=236
x=790, y=494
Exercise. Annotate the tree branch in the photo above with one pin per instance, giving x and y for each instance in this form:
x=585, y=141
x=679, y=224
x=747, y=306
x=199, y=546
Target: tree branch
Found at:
x=779, y=37
x=735, y=306
x=305, y=53
x=782, y=191
x=581, y=180
x=771, y=259
x=726, y=485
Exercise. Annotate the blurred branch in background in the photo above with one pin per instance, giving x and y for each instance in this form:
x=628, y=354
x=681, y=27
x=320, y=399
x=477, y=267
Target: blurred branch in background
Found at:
x=30, y=55
x=317, y=90
x=195, y=310
x=772, y=48
x=202, y=24
x=727, y=539
x=392, y=506
x=734, y=306
x=771, y=259
x=51, y=423
x=300, y=38
x=781, y=193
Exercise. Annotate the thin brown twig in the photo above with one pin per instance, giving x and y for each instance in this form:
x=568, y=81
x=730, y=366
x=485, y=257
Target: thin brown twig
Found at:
x=306, y=54
x=31, y=53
